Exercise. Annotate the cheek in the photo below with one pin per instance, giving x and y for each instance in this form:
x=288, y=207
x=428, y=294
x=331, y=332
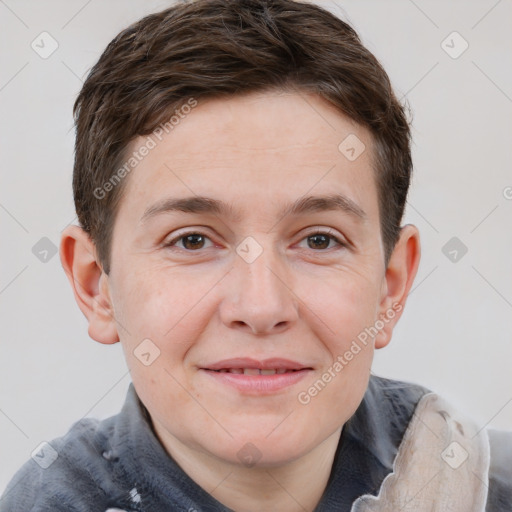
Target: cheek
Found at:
x=158, y=303
x=341, y=382
x=170, y=308
x=344, y=308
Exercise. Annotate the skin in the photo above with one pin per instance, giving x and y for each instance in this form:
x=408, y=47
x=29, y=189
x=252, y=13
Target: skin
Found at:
x=302, y=299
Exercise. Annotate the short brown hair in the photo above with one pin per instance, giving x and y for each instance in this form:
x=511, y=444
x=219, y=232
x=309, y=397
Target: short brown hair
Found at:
x=217, y=49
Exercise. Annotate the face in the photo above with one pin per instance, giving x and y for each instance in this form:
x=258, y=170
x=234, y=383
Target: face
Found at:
x=225, y=297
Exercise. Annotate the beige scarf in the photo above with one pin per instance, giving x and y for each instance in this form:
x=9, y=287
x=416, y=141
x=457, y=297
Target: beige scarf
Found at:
x=442, y=465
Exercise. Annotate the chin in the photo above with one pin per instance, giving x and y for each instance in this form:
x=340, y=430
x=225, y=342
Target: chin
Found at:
x=251, y=454
x=257, y=448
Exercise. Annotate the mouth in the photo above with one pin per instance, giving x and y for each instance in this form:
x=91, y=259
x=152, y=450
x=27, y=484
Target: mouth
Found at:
x=252, y=377
x=255, y=371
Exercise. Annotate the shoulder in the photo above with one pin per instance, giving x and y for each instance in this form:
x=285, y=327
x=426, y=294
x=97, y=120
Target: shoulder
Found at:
x=391, y=402
x=395, y=391
x=409, y=400
x=429, y=432
x=65, y=472
x=377, y=427
x=500, y=471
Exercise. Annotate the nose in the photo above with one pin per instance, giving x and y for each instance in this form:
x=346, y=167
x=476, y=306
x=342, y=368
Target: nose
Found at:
x=260, y=297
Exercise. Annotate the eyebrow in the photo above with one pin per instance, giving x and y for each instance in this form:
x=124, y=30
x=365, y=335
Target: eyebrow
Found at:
x=303, y=205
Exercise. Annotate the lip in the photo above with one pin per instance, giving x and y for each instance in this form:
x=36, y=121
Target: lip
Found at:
x=266, y=364
x=257, y=384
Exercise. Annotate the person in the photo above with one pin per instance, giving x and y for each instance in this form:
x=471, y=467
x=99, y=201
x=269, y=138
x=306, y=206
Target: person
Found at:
x=241, y=170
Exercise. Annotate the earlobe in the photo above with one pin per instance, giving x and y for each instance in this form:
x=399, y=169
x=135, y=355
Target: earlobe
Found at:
x=400, y=273
x=89, y=283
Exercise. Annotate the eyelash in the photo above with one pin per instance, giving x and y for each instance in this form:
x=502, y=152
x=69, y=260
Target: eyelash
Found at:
x=326, y=232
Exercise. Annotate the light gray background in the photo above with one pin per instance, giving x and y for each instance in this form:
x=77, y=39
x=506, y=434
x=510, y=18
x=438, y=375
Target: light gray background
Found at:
x=455, y=335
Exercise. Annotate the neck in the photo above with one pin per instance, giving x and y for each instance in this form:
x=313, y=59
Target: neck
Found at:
x=295, y=486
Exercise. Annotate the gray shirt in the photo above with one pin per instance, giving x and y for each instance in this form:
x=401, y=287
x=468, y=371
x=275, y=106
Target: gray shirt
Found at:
x=119, y=463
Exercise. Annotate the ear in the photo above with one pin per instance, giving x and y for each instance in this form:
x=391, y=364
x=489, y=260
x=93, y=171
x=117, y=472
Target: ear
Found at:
x=89, y=283
x=400, y=273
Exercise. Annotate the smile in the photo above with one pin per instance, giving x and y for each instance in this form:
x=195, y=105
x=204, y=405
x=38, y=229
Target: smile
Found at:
x=255, y=371
x=251, y=377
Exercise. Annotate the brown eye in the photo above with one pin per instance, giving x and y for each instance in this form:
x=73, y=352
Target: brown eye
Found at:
x=190, y=241
x=320, y=240
x=194, y=241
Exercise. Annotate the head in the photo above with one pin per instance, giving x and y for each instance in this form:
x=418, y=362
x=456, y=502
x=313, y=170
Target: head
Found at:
x=241, y=171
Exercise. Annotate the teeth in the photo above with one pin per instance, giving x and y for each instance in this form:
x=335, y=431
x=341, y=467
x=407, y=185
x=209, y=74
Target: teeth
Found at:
x=252, y=371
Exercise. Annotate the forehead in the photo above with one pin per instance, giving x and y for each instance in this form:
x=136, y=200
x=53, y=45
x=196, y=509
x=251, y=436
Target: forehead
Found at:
x=275, y=146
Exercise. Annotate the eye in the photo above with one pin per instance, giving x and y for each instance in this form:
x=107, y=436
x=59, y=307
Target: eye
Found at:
x=194, y=240
x=320, y=239
x=191, y=241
